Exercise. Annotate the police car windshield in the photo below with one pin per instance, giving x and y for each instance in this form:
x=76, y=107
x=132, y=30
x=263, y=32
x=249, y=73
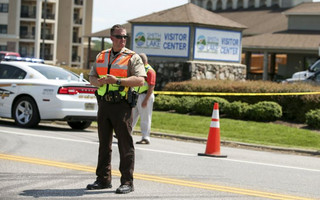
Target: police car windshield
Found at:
x=55, y=72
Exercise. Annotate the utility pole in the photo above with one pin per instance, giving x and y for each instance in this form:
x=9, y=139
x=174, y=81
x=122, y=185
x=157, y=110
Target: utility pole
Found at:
x=44, y=27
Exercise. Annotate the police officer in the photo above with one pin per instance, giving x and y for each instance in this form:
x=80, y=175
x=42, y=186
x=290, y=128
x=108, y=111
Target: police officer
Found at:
x=115, y=72
x=145, y=102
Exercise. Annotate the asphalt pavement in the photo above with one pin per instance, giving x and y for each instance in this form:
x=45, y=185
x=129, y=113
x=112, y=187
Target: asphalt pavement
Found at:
x=53, y=161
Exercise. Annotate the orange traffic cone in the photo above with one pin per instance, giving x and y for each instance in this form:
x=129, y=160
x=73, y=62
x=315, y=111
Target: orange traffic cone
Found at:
x=213, y=142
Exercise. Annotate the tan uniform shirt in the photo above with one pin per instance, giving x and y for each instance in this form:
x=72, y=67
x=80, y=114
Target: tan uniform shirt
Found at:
x=135, y=67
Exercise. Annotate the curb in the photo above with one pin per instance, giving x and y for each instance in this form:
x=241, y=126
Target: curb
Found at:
x=235, y=144
x=226, y=143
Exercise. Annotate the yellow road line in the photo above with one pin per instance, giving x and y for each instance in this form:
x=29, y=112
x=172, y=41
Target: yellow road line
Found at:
x=158, y=179
x=235, y=94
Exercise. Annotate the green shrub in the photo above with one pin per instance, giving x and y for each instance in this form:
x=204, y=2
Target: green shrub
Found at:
x=293, y=106
x=204, y=105
x=237, y=110
x=313, y=118
x=165, y=102
x=185, y=104
x=265, y=111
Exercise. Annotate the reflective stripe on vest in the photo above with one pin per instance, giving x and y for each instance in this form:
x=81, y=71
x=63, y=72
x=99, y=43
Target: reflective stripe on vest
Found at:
x=119, y=68
x=145, y=86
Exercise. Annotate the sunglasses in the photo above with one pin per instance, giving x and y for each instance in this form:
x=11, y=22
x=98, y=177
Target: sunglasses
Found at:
x=121, y=36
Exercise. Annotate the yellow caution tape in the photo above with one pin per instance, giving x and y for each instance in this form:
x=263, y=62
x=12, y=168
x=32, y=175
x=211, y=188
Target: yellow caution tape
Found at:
x=235, y=94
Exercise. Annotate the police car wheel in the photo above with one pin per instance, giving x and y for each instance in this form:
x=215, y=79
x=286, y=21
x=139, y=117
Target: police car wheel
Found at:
x=25, y=112
x=80, y=125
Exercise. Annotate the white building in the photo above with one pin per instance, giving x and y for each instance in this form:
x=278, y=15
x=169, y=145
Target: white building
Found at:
x=22, y=30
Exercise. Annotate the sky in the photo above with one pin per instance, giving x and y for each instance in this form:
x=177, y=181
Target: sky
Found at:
x=107, y=13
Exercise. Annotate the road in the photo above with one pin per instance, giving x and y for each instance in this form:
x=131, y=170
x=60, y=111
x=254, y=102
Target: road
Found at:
x=55, y=162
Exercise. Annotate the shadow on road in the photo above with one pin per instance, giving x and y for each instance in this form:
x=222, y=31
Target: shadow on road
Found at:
x=46, y=126
x=61, y=192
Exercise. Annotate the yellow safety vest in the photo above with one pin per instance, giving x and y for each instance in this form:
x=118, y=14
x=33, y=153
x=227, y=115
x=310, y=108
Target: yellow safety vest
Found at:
x=145, y=86
x=118, y=67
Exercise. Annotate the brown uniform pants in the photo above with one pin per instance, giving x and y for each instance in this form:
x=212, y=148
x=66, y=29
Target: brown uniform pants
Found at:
x=117, y=117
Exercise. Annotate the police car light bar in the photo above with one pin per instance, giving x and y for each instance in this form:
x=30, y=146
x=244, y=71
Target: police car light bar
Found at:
x=25, y=59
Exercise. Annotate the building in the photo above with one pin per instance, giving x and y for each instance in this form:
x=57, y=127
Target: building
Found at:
x=48, y=29
x=189, y=42
x=277, y=29
x=216, y=5
x=179, y=47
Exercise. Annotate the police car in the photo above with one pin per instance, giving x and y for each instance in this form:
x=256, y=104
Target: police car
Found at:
x=31, y=91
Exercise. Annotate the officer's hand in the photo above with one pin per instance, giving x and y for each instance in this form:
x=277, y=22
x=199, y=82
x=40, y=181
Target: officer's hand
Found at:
x=111, y=79
x=102, y=81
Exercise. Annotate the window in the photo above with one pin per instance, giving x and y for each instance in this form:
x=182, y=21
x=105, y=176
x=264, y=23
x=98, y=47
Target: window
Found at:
x=23, y=31
x=3, y=48
x=315, y=67
x=55, y=72
x=209, y=6
x=11, y=72
x=219, y=5
x=317, y=78
x=4, y=7
x=3, y=29
x=23, y=50
x=24, y=11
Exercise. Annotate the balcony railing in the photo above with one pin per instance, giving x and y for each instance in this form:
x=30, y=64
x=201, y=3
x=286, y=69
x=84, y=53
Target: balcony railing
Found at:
x=75, y=58
x=27, y=54
x=27, y=36
x=77, y=21
x=78, y=2
x=49, y=16
x=47, y=57
x=47, y=37
x=76, y=40
x=27, y=15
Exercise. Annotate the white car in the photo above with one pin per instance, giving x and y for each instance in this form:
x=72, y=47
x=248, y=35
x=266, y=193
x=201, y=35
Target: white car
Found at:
x=30, y=92
x=304, y=75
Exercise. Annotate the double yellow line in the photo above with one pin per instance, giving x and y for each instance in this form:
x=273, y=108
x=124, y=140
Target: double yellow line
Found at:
x=158, y=179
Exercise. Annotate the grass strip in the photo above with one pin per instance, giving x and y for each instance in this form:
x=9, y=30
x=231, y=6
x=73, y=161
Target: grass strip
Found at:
x=264, y=133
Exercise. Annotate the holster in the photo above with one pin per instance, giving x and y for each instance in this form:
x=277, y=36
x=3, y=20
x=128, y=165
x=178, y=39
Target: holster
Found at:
x=132, y=98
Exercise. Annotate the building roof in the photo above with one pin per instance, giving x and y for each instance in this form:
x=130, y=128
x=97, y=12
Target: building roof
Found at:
x=189, y=14
x=267, y=27
x=305, y=9
x=286, y=41
x=258, y=20
x=185, y=14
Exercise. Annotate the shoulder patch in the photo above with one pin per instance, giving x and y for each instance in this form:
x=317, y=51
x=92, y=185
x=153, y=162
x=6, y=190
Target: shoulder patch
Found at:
x=128, y=51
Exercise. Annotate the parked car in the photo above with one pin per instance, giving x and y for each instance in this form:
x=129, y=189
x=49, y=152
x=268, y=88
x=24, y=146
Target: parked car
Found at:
x=10, y=54
x=31, y=92
x=304, y=75
x=314, y=79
